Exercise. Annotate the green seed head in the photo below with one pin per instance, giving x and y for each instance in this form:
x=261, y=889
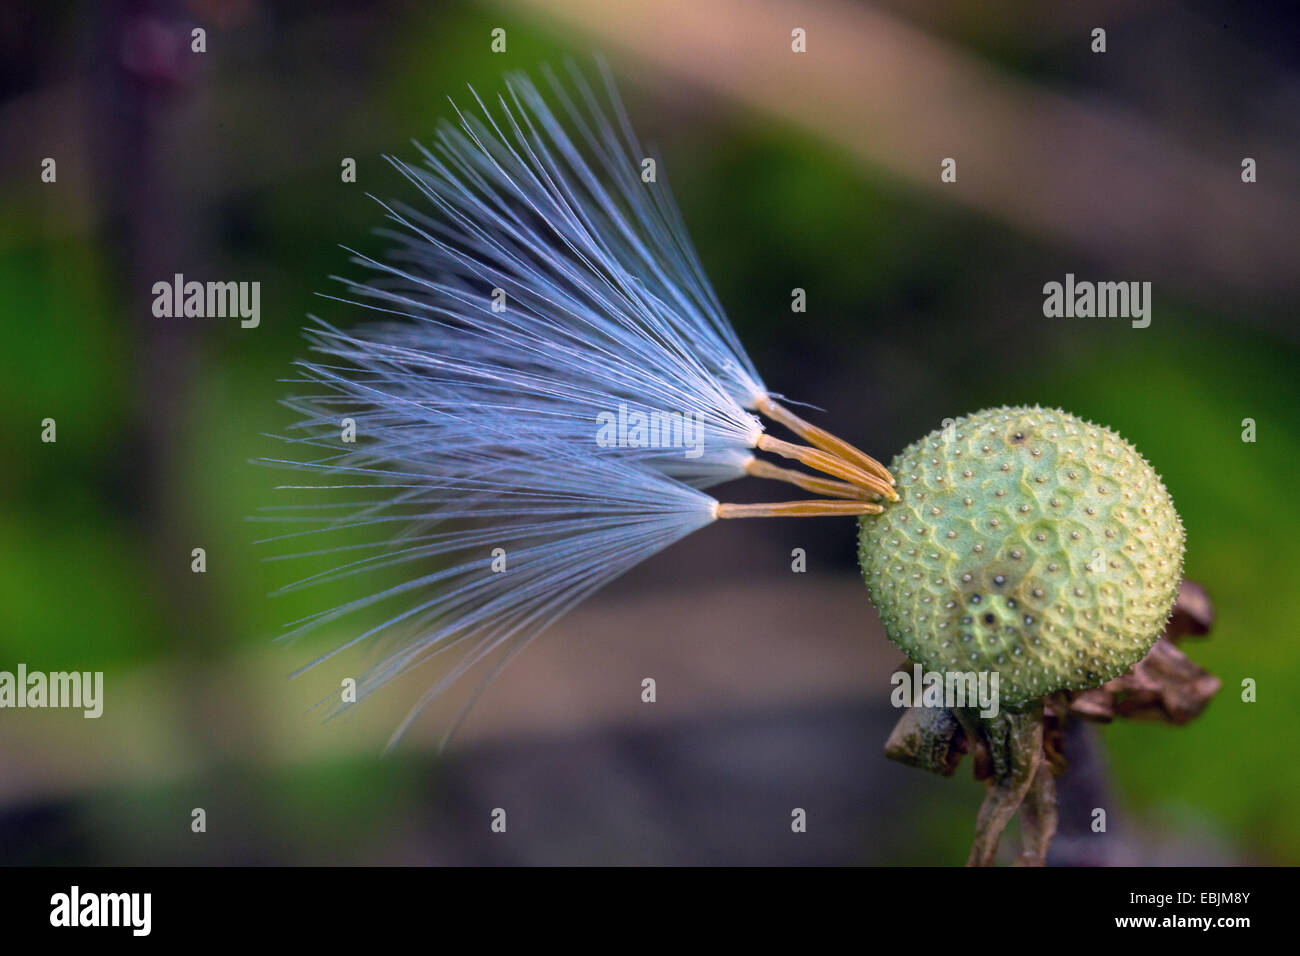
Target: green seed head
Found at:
x=1026, y=542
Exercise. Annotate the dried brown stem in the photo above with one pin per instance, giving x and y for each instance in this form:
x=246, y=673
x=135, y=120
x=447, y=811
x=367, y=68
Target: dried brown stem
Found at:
x=821, y=486
x=828, y=463
x=812, y=508
x=823, y=439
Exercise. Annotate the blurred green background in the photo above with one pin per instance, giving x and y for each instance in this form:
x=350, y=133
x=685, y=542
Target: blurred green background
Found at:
x=924, y=303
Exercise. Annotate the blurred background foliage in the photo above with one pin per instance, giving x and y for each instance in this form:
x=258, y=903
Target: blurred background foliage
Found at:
x=920, y=308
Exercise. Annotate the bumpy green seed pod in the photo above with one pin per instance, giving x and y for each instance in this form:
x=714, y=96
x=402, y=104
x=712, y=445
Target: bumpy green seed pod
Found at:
x=1027, y=542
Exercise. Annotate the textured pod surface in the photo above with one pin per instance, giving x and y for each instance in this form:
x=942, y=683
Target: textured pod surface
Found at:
x=1027, y=542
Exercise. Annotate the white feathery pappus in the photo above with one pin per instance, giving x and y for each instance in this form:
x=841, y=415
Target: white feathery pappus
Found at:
x=548, y=378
